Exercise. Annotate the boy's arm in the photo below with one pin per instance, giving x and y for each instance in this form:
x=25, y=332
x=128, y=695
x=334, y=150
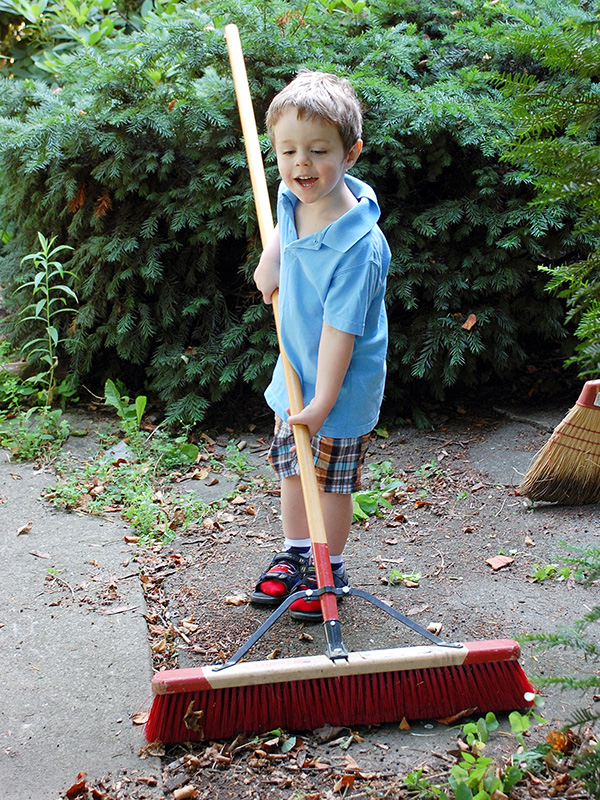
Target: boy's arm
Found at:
x=335, y=352
x=266, y=274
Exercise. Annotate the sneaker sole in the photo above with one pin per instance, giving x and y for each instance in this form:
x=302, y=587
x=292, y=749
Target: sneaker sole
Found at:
x=262, y=599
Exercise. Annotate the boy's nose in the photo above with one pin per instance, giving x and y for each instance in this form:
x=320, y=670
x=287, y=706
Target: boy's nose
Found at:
x=302, y=158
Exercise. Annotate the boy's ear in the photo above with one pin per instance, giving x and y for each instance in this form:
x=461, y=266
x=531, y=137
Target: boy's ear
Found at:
x=353, y=153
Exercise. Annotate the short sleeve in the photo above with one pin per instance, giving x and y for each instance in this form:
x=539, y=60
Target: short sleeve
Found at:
x=349, y=297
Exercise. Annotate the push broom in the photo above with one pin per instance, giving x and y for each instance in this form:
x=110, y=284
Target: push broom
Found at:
x=430, y=681
x=567, y=469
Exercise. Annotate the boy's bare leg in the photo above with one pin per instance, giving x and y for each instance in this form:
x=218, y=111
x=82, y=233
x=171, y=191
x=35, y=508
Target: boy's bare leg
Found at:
x=336, y=508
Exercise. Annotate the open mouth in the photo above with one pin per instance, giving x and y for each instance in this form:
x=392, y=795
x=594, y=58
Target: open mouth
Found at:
x=306, y=182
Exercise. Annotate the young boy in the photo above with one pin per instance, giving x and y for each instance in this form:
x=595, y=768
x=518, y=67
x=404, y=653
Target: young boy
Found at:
x=329, y=260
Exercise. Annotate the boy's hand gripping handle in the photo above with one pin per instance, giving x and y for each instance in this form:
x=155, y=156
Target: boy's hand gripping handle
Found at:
x=310, y=490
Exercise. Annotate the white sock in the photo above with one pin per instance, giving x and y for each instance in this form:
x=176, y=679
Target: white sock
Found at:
x=337, y=563
x=300, y=546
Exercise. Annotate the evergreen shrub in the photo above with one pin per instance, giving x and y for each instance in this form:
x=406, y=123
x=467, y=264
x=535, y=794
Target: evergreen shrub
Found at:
x=134, y=158
x=557, y=111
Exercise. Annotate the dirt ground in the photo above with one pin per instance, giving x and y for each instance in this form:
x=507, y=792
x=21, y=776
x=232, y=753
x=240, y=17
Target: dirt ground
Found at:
x=431, y=555
x=428, y=555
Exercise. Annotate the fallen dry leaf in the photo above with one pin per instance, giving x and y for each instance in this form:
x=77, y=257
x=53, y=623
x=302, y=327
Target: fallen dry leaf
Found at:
x=350, y=763
x=421, y=503
x=238, y=501
x=24, y=529
x=236, y=600
x=155, y=748
x=345, y=782
x=79, y=787
x=467, y=712
x=37, y=554
x=141, y=718
x=404, y=725
x=469, y=322
x=119, y=610
x=185, y=792
x=191, y=718
x=498, y=562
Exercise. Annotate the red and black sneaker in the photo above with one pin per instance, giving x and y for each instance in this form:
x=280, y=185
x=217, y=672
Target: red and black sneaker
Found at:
x=305, y=610
x=283, y=575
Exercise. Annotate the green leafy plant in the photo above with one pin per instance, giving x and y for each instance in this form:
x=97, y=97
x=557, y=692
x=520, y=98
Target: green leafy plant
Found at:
x=236, y=460
x=419, y=787
x=130, y=413
x=429, y=471
x=542, y=572
x=368, y=503
x=479, y=730
x=383, y=471
x=35, y=434
x=49, y=294
x=397, y=577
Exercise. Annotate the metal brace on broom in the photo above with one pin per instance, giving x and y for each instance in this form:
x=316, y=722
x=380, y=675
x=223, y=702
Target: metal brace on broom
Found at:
x=329, y=260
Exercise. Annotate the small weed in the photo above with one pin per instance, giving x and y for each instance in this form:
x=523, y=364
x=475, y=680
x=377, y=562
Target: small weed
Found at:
x=542, y=572
x=367, y=504
x=236, y=460
x=382, y=471
x=129, y=412
x=420, y=788
x=36, y=434
x=396, y=578
x=462, y=495
x=137, y=489
x=429, y=471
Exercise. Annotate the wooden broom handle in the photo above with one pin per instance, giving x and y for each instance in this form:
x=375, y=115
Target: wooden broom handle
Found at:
x=310, y=489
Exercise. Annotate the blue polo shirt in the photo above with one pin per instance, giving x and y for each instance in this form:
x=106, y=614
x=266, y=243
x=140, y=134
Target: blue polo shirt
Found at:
x=337, y=276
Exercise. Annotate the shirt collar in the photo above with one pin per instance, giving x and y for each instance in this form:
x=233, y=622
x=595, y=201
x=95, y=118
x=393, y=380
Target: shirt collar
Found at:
x=346, y=231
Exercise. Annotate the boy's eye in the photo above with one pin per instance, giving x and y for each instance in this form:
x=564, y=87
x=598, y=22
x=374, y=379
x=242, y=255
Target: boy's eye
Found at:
x=319, y=152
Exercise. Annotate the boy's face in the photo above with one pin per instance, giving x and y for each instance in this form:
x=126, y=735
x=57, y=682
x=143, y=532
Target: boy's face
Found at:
x=311, y=157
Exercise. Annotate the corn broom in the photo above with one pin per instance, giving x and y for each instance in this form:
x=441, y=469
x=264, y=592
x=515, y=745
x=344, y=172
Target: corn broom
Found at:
x=567, y=469
x=430, y=681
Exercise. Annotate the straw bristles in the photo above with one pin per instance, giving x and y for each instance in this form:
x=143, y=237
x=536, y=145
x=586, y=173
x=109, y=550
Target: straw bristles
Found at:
x=567, y=468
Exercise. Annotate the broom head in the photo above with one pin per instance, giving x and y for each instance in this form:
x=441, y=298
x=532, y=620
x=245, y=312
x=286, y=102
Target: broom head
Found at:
x=567, y=469
x=305, y=693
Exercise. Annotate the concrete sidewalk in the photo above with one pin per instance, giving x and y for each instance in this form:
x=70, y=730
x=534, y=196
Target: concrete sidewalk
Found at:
x=74, y=658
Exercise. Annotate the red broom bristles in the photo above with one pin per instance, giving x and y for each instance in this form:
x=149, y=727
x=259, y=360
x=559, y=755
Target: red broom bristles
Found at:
x=428, y=693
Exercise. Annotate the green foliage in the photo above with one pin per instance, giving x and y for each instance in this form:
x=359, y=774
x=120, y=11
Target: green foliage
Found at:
x=48, y=302
x=36, y=37
x=135, y=159
x=557, y=109
x=581, y=638
x=34, y=435
x=130, y=413
x=542, y=572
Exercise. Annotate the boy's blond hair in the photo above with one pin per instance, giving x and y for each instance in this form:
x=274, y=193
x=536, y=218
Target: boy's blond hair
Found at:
x=320, y=94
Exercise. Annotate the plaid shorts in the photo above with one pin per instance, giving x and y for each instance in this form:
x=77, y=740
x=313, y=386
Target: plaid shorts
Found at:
x=338, y=462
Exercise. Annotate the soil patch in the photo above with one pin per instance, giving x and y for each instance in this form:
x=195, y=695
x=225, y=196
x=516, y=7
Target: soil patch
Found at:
x=457, y=550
